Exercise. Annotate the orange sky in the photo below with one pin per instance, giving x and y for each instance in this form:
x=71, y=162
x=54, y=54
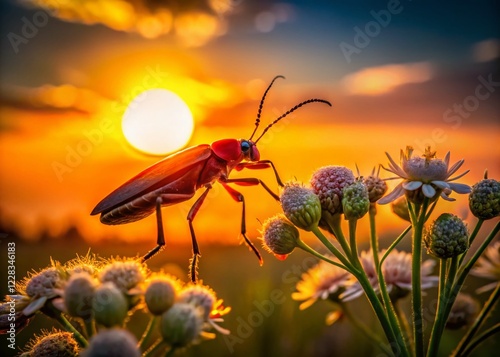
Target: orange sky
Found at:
x=62, y=150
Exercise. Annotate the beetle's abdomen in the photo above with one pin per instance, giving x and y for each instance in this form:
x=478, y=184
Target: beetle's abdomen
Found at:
x=135, y=210
x=142, y=206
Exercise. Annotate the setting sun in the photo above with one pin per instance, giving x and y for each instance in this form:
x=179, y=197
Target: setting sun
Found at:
x=157, y=122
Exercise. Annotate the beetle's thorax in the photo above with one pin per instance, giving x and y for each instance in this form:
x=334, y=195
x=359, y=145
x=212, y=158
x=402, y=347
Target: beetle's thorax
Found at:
x=234, y=151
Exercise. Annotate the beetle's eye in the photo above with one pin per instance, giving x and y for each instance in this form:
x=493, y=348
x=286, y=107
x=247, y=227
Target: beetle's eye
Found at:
x=245, y=146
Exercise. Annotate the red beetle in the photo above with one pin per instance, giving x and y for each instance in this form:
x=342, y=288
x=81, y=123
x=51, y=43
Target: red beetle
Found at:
x=177, y=177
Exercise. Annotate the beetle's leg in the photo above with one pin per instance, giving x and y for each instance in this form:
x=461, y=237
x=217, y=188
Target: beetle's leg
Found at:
x=193, y=265
x=259, y=165
x=160, y=241
x=238, y=197
x=252, y=181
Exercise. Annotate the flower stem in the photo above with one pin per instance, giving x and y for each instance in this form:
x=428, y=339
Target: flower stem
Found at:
x=392, y=313
x=352, y=238
x=395, y=243
x=89, y=327
x=446, y=279
x=148, y=332
x=418, y=226
x=472, y=237
x=332, y=248
x=396, y=341
x=489, y=332
x=70, y=328
x=310, y=250
x=403, y=321
x=363, y=328
x=334, y=223
x=462, y=274
x=373, y=235
x=389, y=306
x=155, y=347
x=478, y=322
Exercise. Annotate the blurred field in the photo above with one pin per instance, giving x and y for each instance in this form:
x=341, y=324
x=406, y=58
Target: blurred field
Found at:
x=259, y=327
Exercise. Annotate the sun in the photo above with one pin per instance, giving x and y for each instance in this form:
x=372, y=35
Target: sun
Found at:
x=157, y=122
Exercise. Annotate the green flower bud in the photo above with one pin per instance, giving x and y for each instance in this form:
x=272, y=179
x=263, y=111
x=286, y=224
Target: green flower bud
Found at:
x=279, y=236
x=112, y=343
x=376, y=187
x=55, y=344
x=182, y=324
x=400, y=208
x=463, y=312
x=447, y=237
x=484, y=199
x=78, y=295
x=160, y=294
x=355, y=200
x=301, y=206
x=109, y=306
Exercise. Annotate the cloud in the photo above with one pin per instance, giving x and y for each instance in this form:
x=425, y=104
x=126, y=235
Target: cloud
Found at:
x=193, y=22
x=486, y=50
x=383, y=79
x=52, y=97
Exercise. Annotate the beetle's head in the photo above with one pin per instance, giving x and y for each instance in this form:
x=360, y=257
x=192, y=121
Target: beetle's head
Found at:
x=249, y=150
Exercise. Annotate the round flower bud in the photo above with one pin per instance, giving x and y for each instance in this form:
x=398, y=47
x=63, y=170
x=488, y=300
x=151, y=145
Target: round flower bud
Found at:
x=484, y=199
x=125, y=274
x=376, y=187
x=109, y=306
x=355, y=200
x=78, y=295
x=328, y=183
x=55, y=344
x=199, y=296
x=44, y=283
x=400, y=208
x=160, y=294
x=463, y=312
x=279, y=235
x=447, y=237
x=182, y=324
x=112, y=343
x=301, y=206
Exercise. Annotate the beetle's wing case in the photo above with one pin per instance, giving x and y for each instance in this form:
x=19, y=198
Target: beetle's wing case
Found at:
x=154, y=177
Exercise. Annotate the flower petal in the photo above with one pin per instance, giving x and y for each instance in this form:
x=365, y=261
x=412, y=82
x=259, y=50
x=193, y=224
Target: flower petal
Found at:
x=333, y=317
x=34, y=306
x=395, y=194
x=457, y=177
x=441, y=184
x=447, y=159
x=460, y=187
x=412, y=185
x=428, y=190
x=455, y=167
x=445, y=196
x=395, y=167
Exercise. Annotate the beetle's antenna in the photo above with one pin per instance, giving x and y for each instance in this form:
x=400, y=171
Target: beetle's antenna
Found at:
x=257, y=121
x=291, y=111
